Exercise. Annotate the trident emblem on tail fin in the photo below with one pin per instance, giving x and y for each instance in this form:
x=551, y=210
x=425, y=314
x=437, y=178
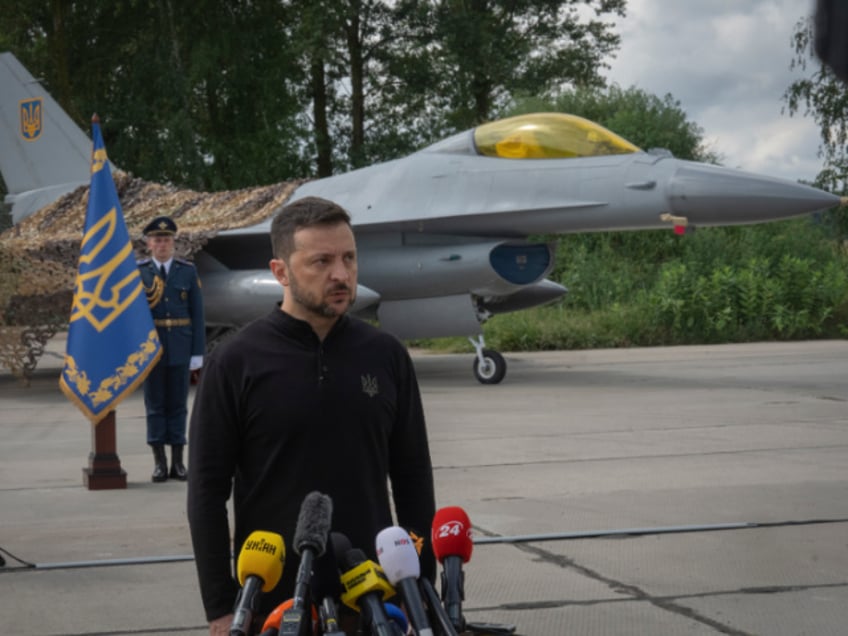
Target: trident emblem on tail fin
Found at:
x=31, y=120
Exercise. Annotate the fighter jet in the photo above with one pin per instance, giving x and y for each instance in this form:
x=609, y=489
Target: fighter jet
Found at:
x=444, y=233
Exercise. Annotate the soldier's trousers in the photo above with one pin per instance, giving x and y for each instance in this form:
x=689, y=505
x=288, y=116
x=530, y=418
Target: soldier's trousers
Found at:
x=165, y=397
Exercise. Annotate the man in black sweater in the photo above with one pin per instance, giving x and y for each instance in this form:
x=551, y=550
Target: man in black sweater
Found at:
x=306, y=398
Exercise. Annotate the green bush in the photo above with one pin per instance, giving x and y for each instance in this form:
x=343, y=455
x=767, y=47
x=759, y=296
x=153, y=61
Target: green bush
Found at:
x=766, y=283
x=789, y=298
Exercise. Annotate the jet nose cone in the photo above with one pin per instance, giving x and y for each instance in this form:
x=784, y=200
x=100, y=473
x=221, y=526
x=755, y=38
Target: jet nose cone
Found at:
x=712, y=195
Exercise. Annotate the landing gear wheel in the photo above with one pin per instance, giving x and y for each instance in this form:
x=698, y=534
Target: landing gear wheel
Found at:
x=493, y=368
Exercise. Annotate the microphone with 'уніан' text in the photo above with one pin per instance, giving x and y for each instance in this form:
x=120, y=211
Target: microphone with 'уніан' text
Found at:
x=259, y=568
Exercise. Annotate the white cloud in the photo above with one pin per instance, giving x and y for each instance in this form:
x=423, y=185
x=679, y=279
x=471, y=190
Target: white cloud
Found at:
x=727, y=63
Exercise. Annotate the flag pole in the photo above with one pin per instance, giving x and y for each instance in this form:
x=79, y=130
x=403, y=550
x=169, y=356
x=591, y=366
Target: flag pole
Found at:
x=104, y=470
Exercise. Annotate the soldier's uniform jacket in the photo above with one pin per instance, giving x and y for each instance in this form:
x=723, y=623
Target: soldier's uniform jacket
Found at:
x=177, y=309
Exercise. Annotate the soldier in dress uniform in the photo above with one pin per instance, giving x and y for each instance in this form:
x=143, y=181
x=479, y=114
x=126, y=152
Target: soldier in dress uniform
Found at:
x=173, y=292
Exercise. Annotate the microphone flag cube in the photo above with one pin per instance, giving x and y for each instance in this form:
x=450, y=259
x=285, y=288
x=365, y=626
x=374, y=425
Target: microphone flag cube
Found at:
x=362, y=579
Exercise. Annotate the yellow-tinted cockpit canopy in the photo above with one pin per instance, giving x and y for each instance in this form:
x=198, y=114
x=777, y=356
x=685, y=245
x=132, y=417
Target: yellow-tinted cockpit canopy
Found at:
x=548, y=136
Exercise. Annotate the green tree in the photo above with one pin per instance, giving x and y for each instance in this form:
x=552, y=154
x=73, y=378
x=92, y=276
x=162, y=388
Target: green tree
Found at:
x=345, y=48
x=198, y=94
x=365, y=28
x=481, y=53
x=319, y=40
x=825, y=97
x=442, y=66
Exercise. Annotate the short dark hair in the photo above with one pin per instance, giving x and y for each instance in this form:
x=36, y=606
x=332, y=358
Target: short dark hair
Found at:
x=306, y=212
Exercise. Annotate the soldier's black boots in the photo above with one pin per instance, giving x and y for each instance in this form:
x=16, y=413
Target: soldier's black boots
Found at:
x=160, y=466
x=178, y=470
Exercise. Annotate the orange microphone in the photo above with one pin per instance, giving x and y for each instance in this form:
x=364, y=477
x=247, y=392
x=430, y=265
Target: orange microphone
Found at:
x=275, y=618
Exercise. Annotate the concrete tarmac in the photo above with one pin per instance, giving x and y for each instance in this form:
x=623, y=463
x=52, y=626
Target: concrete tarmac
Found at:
x=664, y=491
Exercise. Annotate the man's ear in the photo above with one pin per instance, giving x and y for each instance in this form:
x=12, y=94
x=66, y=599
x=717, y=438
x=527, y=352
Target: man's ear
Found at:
x=280, y=270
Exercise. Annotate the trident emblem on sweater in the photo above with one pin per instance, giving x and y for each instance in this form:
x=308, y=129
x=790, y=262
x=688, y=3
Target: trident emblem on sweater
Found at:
x=369, y=385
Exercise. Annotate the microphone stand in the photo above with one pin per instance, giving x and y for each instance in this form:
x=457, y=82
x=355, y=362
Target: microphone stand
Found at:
x=435, y=605
x=296, y=621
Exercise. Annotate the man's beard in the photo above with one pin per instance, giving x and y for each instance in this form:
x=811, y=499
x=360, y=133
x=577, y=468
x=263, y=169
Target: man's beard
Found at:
x=315, y=306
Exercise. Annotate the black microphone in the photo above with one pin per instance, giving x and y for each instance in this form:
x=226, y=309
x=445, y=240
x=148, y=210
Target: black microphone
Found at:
x=399, y=561
x=340, y=544
x=310, y=541
x=326, y=591
x=365, y=586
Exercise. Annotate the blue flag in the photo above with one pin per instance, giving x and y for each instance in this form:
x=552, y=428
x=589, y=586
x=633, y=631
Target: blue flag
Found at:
x=112, y=343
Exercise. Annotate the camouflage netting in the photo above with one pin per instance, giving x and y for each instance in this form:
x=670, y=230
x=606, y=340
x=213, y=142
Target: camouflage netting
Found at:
x=38, y=257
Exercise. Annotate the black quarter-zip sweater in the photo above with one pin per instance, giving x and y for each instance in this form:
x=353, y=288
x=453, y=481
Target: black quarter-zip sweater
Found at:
x=279, y=414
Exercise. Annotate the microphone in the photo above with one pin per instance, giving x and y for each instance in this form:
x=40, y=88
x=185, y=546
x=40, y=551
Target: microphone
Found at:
x=399, y=560
x=365, y=586
x=310, y=541
x=271, y=627
x=326, y=590
x=259, y=568
x=397, y=619
x=452, y=545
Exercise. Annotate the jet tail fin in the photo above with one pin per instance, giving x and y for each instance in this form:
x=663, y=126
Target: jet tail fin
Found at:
x=43, y=153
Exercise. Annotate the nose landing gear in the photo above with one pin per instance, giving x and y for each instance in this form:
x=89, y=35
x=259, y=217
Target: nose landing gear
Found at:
x=489, y=365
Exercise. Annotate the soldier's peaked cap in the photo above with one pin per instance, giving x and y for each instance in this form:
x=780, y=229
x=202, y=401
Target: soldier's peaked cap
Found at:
x=161, y=225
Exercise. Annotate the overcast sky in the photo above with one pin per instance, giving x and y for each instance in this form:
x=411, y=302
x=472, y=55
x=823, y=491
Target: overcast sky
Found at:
x=727, y=63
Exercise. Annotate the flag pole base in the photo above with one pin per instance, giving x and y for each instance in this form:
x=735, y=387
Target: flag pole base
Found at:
x=104, y=470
